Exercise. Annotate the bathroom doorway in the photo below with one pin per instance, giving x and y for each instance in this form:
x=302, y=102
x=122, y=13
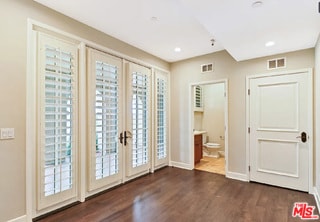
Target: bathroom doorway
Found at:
x=209, y=124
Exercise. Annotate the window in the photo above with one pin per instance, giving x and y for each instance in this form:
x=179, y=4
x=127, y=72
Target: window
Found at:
x=140, y=120
x=107, y=118
x=104, y=119
x=161, y=118
x=57, y=147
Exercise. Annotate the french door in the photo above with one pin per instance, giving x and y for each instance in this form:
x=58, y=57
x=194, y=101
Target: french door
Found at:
x=94, y=128
x=138, y=125
x=105, y=119
x=119, y=120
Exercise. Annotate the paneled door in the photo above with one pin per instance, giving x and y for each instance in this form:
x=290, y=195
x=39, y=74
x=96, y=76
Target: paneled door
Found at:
x=281, y=129
x=138, y=127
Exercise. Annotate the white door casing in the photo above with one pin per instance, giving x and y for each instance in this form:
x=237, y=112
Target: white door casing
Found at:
x=280, y=109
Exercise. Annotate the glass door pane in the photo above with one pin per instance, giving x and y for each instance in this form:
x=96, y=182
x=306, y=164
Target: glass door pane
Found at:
x=57, y=105
x=138, y=119
x=161, y=119
x=105, y=119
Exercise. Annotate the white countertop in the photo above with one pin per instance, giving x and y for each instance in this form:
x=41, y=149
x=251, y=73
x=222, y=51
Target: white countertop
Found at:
x=198, y=132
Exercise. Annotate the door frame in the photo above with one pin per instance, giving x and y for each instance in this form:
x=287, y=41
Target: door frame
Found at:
x=309, y=71
x=226, y=117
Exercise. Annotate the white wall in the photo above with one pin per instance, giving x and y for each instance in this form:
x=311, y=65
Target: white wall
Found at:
x=213, y=114
x=198, y=118
x=186, y=72
x=317, y=117
x=13, y=69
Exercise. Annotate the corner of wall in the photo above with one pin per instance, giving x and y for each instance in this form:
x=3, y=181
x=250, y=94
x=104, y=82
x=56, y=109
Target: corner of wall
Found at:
x=317, y=122
x=19, y=219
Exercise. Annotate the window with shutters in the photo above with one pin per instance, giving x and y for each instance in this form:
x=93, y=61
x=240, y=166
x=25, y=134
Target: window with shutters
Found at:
x=57, y=104
x=105, y=111
x=140, y=120
x=107, y=118
x=161, y=118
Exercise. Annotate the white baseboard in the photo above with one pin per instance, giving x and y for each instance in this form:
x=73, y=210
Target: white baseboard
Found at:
x=237, y=176
x=316, y=197
x=181, y=165
x=19, y=219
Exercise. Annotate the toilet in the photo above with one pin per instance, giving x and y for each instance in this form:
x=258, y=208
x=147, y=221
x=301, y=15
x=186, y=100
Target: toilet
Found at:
x=210, y=149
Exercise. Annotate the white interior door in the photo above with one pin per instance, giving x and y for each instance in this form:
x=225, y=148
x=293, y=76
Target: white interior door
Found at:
x=138, y=143
x=280, y=114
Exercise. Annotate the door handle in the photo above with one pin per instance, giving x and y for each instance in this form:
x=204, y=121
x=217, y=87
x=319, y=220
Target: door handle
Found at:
x=127, y=135
x=121, y=137
x=303, y=137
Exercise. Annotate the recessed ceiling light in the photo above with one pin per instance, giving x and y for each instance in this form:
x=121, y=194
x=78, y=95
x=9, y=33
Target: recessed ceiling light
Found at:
x=154, y=19
x=257, y=4
x=270, y=43
x=177, y=49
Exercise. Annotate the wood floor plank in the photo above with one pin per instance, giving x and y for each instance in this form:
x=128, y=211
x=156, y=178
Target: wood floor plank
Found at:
x=173, y=194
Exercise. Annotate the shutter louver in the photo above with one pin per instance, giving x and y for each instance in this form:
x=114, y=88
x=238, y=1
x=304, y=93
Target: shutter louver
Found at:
x=107, y=120
x=161, y=119
x=58, y=121
x=140, y=120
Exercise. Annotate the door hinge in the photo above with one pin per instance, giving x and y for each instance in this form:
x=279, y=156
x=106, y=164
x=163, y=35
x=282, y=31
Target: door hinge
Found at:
x=248, y=92
x=249, y=168
x=248, y=129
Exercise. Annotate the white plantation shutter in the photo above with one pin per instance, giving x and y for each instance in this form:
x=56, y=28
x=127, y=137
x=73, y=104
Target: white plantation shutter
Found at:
x=104, y=80
x=107, y=118
x=58, y=116
x=138, y=124
x=140, y=118
x=161, y=125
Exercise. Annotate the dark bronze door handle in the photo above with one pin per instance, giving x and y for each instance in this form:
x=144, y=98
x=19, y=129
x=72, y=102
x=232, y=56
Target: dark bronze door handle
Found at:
x=303, y=137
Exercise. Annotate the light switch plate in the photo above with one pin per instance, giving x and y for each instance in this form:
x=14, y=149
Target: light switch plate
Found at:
x=6, y=133
x=10, y=133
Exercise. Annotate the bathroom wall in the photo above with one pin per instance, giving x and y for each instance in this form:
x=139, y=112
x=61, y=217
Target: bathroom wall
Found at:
x=198, y=117
x=213, y=115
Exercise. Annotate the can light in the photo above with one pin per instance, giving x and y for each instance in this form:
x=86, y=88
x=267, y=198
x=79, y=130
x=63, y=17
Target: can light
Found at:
x=257, y=4
x=270, y=43
x=177, y=49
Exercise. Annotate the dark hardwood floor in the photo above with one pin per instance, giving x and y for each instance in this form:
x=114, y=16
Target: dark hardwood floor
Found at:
x=173, y=194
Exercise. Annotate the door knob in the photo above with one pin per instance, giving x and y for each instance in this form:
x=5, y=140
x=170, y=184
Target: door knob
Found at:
x=303, y=137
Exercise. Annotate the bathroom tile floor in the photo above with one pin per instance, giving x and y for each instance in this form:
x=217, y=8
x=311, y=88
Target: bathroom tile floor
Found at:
x=212, y=165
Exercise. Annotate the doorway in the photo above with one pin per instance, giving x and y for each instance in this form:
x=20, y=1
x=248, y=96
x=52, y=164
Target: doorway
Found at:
x=209, y=124
x=280, y=129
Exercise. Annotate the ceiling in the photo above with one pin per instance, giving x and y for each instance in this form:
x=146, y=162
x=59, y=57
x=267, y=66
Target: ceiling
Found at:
x=238, y=26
